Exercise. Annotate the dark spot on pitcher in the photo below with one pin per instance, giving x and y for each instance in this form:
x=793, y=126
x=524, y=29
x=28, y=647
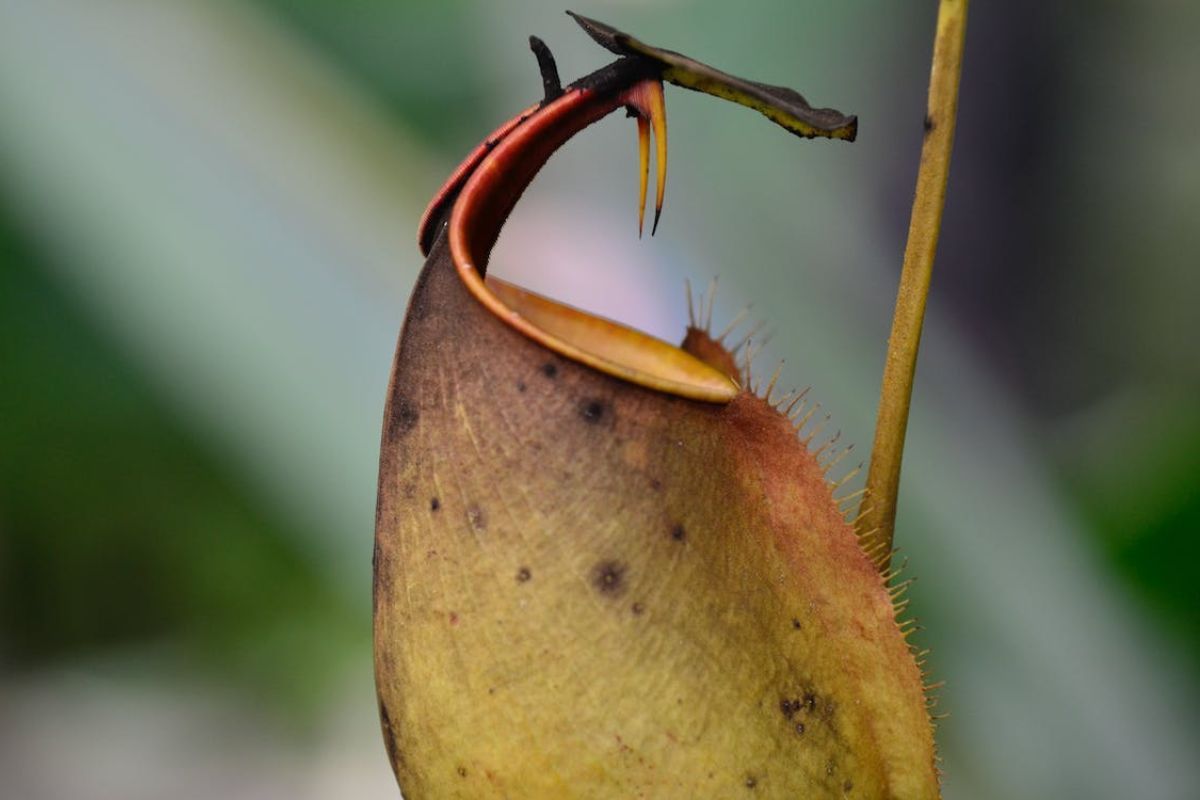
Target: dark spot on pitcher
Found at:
x=594, y=411
x=402, y=418
x=609, y=577
x=789, y=707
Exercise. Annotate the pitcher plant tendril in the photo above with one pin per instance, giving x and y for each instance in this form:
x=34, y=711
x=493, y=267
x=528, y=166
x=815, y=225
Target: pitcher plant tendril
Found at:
x=877, y=522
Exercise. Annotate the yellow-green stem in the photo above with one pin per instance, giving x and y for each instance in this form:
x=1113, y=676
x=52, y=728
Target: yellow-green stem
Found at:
x=877, y=522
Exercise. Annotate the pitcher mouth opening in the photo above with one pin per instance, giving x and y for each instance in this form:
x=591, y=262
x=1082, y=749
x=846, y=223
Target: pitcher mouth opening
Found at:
x=610, y=346
x=490, y=193
x=482, y=192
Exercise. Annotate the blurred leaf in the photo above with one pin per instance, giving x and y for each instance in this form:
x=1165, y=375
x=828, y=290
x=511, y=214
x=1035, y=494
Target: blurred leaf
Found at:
x=121, y=529
x=414, y=55
x=1137, y=487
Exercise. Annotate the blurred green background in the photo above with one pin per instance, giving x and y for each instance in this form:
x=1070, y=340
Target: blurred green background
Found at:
x=207, y=218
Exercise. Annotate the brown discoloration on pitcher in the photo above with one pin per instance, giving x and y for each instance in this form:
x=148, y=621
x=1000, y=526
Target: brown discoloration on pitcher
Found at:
x=550, y=687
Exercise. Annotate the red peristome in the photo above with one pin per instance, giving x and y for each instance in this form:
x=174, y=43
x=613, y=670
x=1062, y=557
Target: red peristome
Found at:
x=453, y=184
x=497, y=178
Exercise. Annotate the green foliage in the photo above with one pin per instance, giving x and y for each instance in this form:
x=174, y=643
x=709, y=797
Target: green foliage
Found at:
x=122, y=530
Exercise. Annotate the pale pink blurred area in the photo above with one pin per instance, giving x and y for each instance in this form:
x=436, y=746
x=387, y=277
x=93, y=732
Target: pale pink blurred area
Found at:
x=88, y=735
x=570, y=250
